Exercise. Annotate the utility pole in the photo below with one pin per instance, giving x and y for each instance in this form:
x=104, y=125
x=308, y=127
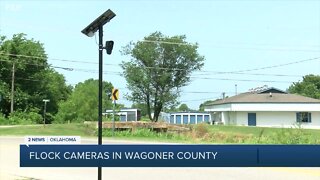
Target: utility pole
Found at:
x=236, y=89
x=45, y=110
x=12, y=85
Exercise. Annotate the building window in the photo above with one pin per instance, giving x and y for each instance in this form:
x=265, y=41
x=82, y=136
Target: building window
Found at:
x=303, y=117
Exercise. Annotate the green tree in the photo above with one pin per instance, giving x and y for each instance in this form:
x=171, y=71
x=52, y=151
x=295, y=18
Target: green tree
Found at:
x=142, y=107
x=202, y=106
x=34, y=80
x=82, y=105
x=19, y=54
x=52, y=87
x=183, y=107
x=160, y=66
x=310, y=86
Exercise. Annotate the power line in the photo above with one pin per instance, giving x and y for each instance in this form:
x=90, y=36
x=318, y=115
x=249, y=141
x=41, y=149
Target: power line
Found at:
x=203, y=74
x=119, y=73
x=232, y=47
x=39, y=65
x=254, y=74
x=164, y=42
x=268, y=49
x=64, y=68
x=204, y=99
x=218, y=44
x=262, y=44
x=193, y=77
x=177, y=69
x=275, y=66
x=27, y=79
x=246, y=80
x=203, y=92
x=22, y=63
x=56, y=59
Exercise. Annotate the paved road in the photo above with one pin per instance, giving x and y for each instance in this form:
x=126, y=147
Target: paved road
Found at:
x=10, y=170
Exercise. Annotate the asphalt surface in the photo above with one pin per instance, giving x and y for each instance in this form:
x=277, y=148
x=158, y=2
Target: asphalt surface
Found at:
x=10, y=170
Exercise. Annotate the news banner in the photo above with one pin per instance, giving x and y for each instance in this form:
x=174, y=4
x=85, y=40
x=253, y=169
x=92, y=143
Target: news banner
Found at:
x=67, y=151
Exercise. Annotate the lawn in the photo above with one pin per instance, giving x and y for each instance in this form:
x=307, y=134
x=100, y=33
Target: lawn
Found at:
x=264, y=135
x=256, y=131
x=50, y=129
x=202, y=133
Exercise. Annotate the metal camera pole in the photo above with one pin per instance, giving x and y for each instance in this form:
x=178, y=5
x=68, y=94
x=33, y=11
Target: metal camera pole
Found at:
x=97, y=25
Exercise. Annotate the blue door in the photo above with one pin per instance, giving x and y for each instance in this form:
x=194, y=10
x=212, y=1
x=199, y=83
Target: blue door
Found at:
x=185, y=119
x=192, y=119
x=206, y=118
x=252, y=119
x=172, y=119
x=178, y=119
x=199, y=119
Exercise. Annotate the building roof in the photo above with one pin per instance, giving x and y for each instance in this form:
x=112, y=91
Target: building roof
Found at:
x=189, y=112
x=270, y=95
x=123, y=110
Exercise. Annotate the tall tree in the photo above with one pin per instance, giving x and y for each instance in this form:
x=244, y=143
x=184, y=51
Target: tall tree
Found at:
x=202, y=106
x=26, y=77
x=159, y=67
x=52, y=86
x=310, y=86
x=183, y=107
x=82, y=105
x=142, y=107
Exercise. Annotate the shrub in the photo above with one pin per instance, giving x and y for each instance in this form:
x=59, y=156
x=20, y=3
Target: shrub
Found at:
x=49, y=118
x=3, y=120
x=109, y=118
x=141, y=132
x=19, y=117
x=201, y=130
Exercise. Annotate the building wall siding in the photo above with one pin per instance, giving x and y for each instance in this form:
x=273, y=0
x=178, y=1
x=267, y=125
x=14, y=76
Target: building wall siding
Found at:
x=276, y=119
x=264, y=107
x=280, y=107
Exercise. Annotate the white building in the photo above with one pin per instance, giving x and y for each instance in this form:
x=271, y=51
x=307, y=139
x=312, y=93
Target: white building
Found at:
x=269, y=108
x=126, y=114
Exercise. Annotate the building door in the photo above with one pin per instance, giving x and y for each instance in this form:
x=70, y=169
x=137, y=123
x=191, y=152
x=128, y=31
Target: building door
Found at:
x=178, y=119
x=252, y=121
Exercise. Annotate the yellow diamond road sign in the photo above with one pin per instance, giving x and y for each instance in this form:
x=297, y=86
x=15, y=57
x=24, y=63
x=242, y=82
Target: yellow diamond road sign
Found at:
x=115, y=94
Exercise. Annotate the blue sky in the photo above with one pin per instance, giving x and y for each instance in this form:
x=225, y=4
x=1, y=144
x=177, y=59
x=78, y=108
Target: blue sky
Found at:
x=232, y=35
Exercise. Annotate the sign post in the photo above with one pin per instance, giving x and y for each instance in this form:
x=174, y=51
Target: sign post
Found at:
x=115, y=96
x=113, y=123
x=44, y=111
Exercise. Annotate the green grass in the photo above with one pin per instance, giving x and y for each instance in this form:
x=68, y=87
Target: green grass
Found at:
x=147, y=135
x=257, y=135
x=202, y=133
x=255, y=131
x=51, y=129
x=226, y=134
